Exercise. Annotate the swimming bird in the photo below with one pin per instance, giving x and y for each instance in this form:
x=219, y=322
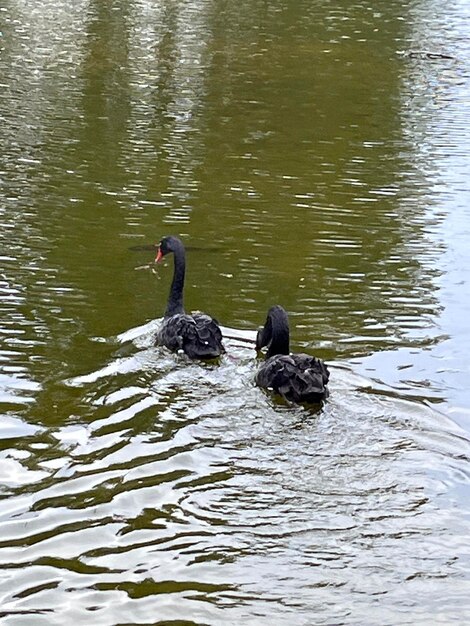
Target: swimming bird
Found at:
x=296, y=377
x=198, y=334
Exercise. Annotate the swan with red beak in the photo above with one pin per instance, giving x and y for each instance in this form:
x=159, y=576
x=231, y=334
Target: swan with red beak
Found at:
x=198, y=335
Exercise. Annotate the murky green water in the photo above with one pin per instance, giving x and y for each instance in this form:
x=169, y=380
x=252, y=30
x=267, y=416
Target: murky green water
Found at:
x=310, y=154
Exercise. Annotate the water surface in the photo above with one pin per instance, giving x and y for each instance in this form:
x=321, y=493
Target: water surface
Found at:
x=313, y=155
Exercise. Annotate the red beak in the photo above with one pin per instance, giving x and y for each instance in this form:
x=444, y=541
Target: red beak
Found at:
x=159, y=256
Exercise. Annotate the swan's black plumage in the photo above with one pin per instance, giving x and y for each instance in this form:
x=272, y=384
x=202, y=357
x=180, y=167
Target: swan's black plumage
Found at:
x=198, y=335
x=296, y=377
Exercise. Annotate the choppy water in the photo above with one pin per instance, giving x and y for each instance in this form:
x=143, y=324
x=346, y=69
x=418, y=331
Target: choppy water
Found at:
x=314, y=156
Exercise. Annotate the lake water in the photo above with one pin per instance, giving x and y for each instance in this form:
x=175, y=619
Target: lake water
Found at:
x=309, y=154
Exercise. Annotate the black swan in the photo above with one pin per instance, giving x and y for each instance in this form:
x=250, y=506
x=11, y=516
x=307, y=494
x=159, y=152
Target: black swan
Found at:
x=198, y=335
x=296, y=377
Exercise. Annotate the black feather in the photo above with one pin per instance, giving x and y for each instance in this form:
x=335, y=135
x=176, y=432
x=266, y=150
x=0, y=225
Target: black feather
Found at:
x=198, y=335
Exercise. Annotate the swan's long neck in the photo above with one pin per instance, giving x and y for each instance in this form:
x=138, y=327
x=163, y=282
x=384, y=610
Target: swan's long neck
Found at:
x=279, y=333
x=175, y=299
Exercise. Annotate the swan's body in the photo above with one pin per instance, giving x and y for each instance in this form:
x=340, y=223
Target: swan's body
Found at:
x=198, y=335
x=296, y=377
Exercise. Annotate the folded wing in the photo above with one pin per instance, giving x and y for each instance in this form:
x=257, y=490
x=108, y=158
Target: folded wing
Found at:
x=296, y=377
x=198, y=335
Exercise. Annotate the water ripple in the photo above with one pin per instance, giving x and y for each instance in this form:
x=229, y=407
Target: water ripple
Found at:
x=188, y=477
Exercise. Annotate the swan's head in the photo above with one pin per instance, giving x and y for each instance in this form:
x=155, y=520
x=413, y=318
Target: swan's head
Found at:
x=167, y=245
x=263, y=337
x=275, y=332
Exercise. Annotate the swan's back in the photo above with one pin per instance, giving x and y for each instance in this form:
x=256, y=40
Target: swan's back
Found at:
x=296, y=377
x=198, y=335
